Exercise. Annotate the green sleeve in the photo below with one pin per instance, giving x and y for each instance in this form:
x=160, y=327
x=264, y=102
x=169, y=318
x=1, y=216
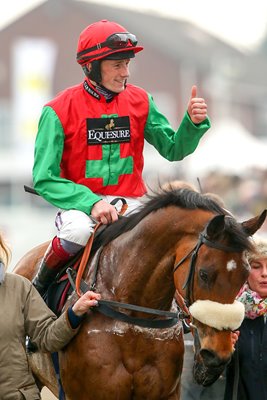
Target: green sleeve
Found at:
x=173, y=145
x=58, y=191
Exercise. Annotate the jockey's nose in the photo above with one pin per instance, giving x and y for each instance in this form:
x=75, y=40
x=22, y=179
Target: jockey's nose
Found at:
x=125, y=70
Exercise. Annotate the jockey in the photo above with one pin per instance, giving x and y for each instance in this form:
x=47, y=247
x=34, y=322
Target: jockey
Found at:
x=89, y=145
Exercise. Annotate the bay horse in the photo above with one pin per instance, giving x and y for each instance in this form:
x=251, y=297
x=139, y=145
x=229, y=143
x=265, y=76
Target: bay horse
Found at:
x=178, y=241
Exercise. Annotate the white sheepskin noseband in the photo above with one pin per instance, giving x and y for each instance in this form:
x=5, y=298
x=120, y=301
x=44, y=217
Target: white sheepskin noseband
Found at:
x=217, y=315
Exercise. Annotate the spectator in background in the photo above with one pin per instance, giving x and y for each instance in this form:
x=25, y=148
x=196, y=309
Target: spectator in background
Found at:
x=246, y=377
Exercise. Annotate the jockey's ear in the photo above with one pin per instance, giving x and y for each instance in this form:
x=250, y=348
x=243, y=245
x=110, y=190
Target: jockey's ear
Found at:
x=252, y=225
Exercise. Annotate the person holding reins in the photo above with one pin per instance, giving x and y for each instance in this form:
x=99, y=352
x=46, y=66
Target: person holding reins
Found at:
x=24, y=314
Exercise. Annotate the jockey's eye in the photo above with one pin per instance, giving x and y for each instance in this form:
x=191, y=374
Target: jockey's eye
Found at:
x=203, y=275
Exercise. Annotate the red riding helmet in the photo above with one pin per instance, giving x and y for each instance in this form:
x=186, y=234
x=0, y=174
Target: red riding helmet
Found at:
x=103, y=39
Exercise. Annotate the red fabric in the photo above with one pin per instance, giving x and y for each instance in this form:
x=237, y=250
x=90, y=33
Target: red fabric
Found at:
x=63, y=298
x=96, y=33
x=73, y=106
x=58, y=249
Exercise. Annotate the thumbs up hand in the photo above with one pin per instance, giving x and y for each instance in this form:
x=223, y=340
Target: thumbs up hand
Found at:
x=197, y=108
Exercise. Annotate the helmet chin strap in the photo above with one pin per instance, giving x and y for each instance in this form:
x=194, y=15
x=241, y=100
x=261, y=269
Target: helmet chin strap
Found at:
x=94, y=74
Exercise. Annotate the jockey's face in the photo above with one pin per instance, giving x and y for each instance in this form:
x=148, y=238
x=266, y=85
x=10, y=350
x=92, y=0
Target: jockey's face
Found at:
x=114, y=74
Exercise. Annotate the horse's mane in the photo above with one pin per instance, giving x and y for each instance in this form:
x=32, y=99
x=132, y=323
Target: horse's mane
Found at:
x=183, y=198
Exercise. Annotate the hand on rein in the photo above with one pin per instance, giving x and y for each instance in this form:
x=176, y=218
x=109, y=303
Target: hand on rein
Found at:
x=85, y=302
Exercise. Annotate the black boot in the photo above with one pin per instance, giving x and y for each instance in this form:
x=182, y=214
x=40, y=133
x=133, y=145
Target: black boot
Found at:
x=50, y=265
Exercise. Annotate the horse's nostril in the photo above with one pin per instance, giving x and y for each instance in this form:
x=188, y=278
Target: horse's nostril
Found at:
x=207, y=357
x=210, y=359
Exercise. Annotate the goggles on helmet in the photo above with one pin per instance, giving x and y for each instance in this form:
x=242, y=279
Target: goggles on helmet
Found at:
x=115, y=41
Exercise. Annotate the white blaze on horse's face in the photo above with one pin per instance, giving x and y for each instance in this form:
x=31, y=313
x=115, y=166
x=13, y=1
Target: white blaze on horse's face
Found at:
x=217, y=315
x=231, y=265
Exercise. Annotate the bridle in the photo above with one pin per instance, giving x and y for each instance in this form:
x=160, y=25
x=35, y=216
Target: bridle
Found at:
x=202, y=239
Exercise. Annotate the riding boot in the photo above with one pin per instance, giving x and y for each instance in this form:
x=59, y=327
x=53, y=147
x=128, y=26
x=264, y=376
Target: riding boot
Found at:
x=54, y=259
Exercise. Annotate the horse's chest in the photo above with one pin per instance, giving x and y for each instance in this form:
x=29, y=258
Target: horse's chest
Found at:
x=131, y=362
x=135, y=348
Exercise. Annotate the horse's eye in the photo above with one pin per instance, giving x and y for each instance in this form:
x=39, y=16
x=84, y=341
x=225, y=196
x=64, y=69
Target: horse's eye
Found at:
x=203, y=276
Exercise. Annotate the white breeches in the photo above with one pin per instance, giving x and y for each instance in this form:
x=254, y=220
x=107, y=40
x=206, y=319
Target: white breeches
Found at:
x=76, y=226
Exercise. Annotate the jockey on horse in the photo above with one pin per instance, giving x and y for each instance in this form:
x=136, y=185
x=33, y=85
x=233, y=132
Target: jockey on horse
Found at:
x=81, y=163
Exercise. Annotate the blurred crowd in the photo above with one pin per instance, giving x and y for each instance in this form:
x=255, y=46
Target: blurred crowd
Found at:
x=245, y=195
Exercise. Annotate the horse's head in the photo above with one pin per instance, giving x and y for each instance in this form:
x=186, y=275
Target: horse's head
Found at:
x=217, y=268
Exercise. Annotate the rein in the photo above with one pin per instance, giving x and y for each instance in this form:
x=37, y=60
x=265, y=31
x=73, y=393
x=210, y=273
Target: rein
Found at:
x=85, y=258
x=106, y=307
x=88, y=247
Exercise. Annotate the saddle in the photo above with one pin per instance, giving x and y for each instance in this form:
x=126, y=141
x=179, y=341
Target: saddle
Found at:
x=58, y=292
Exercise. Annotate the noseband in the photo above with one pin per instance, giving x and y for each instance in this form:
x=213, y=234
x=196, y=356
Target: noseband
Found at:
x=202, y=239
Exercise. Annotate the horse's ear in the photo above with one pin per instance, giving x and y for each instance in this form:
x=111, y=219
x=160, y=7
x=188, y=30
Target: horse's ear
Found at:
x=215, y=226
x=252, y=225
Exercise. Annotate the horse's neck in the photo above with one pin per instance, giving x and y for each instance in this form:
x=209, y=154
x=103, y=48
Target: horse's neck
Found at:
x=137, y=267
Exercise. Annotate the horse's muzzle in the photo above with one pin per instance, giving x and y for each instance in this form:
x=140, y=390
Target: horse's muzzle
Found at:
x=208, y=366
x=210, y=359
x=207, y=372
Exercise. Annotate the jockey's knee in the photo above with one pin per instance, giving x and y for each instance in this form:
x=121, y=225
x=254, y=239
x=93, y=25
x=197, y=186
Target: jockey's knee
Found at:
x=76, y=227
x=70, y=248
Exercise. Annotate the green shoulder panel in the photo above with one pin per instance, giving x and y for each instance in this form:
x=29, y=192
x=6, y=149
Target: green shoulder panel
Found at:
x=60, y=192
